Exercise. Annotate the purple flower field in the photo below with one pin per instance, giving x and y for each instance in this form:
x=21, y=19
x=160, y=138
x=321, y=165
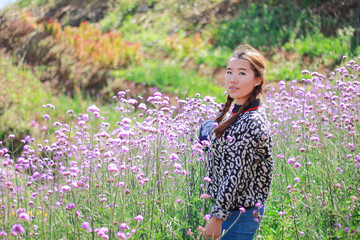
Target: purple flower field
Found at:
x=144, y=177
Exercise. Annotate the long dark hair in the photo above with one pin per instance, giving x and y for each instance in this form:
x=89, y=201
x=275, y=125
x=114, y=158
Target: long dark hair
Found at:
x=257, y=62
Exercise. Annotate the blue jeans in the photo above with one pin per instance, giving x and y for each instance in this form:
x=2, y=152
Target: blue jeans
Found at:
x=245, y=227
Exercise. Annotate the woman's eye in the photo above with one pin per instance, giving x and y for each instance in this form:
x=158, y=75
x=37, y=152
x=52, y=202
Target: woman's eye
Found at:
x=228, y=72
x=241, y=73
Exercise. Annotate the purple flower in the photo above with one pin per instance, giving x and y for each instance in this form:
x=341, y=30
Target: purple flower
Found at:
x=50, y=106
x=139, y=218
x=113, y=168
x=121, y=94
x=297, y=179
x=297, y=165
x=291, y=160
x=305, y=72
x=93, y=109
x=17, y=228
x=132, y=101
x=354, y=198
x=177, y=165
x=281, y=213
x=3, y=234
x=46, y=117
x=282, y=84
x=65, y=188
x=207, y=217
x=206, y=196
x=242, y=209
x=24, y=216
x=121, y=235
x=142, y=106
x=126, y=120
x=174, y=156
x=70, y=206
x=124, y=226
x=85, y=225
x=207, y=179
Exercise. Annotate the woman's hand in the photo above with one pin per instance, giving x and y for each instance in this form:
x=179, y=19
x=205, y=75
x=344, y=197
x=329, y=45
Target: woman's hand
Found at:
x=213, y=228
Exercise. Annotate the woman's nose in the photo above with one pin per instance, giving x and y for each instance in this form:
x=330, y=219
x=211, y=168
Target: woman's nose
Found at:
x=233, y=79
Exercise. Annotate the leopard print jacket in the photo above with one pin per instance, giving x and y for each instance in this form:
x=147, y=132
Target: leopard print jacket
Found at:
x=241, y=165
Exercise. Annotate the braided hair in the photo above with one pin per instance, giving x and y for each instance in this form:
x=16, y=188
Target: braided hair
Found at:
x=257, y=62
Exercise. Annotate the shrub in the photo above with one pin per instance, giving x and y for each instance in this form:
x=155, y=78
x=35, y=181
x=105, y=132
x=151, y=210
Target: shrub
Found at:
x=263, y=25
x=183, y=47
x=103, y=50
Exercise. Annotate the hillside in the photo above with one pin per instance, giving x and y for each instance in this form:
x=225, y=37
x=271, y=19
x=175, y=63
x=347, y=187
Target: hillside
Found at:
x=96, y=48
x=197, y=37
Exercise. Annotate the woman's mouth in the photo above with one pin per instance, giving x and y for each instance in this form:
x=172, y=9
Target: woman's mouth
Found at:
x=232, y=88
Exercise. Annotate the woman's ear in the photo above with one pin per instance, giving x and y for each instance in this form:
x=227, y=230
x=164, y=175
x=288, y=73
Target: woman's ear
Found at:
x=258, y=81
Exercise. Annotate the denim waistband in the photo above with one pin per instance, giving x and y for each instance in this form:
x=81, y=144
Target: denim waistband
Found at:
x=237, y=208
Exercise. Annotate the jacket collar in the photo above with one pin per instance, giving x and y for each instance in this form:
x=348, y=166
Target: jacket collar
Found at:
x=254, y=105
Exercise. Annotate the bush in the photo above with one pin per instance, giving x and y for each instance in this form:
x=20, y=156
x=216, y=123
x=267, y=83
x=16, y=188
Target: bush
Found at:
x=103, y=50
x=263, y=26
x=183, y=47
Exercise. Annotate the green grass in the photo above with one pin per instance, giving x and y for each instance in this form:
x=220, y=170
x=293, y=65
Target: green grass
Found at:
x=170, y=77
x=20, y=91
x=329, y=49
x=215, y=57
x=23, y=95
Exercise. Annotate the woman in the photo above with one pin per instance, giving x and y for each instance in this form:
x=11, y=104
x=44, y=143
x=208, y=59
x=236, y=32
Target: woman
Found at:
x=240, y=170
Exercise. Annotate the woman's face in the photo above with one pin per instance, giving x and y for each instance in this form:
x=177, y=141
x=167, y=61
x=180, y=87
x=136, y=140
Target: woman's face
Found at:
x=240, y=80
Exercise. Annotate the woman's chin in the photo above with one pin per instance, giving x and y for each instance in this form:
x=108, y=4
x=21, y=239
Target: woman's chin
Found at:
x=232, y=95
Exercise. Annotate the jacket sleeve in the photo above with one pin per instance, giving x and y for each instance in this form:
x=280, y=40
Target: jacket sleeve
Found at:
x=239, y=153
